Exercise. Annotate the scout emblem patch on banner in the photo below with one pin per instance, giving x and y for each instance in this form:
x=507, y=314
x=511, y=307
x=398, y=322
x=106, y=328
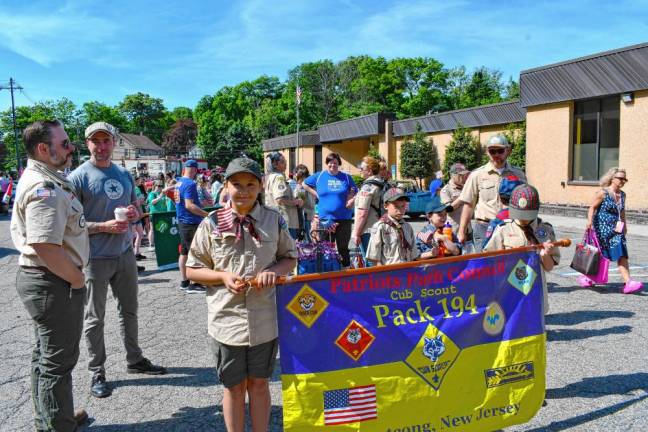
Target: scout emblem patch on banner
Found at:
x=457, y=346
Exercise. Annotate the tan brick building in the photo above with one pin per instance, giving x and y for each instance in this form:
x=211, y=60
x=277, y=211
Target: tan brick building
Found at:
x=583, y=117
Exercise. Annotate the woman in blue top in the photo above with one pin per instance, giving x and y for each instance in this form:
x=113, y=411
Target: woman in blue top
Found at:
x=607, y=215
x=335, y=191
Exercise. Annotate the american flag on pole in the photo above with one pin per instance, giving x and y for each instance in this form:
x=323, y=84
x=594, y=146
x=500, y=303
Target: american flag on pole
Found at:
x=298, y=93
x=350, y=405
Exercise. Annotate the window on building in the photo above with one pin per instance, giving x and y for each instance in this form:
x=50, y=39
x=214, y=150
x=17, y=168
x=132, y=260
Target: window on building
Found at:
x=318, y=159
x=292, y=156
x=596, y=138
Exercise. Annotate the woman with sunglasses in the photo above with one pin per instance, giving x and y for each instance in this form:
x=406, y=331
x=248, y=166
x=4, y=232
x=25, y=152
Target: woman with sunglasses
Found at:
x=607, y=215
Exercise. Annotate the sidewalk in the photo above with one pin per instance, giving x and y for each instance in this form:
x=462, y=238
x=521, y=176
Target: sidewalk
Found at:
x=579, y=223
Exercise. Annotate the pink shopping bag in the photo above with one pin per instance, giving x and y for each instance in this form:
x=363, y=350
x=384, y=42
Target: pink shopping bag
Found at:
x=604, y=264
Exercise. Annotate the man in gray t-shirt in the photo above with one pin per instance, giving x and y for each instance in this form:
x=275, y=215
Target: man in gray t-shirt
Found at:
x=102, y=186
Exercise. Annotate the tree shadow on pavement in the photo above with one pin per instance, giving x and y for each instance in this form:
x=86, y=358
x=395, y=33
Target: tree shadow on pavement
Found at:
x=587, y=417
x=176, y=376
x=562, y=335
x=593, y=387
x=578, y=317
x=188, y=419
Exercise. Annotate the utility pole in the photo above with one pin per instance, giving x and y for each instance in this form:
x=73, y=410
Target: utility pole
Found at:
x=11, y=88
x=298, y=95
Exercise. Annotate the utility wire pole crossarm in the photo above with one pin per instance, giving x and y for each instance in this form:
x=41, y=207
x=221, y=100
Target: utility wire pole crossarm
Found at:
x=13, y=86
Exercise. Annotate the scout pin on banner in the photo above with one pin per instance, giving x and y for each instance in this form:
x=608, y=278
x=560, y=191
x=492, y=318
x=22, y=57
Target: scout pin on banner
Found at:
x=457, y=345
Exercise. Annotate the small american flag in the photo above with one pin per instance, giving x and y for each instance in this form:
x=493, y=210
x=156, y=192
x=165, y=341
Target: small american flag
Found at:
x=298, y=93
x=350, y=405
x=225, y=219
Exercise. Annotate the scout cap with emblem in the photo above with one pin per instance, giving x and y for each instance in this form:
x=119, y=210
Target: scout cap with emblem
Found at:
x=246, y=165
x=458, y=168
x=100, y=127
x=394, y=194
x=435, y=206
x=498, y=140
x=525, y=203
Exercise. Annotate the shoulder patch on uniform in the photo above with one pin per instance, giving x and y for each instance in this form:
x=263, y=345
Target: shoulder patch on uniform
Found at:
x=282, y=223
x=45, y=193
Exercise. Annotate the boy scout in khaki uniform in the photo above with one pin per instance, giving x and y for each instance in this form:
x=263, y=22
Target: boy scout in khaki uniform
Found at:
x=480, y=190
x=450, y=193
x=48, y=228
x=524, y=229
x=392, y=238
x=240, y=241
x=279, y=194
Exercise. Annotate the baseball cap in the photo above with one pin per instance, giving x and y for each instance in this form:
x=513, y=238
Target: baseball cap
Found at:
x=191, y=164
x=435, y=206
x=525, y=203
x=100, y=127
x=507, y=184
x=498, y=140
x=394, y=194
x=458, y=168
x=243, y=165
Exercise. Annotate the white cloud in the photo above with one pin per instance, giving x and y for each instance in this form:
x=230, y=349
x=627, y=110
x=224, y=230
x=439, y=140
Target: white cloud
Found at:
x=57, y=37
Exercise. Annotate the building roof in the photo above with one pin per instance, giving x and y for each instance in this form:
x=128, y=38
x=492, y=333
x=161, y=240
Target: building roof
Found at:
x=358, y=127
x=611, y=72
x=486, y=115
x=141, y=142
x=307, y=138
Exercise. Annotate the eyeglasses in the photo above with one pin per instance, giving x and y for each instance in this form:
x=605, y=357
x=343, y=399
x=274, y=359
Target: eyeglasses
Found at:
x=623, y=179
x=496, y=151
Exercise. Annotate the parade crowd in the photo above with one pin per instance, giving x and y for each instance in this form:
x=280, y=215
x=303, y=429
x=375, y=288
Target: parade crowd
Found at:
x=82, y=233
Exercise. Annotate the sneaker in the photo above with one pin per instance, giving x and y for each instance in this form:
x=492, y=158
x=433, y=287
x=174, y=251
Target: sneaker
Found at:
x=140, y=269
x=145, y=366
x=632, y=286
x=184, y=285
x=196, y=289
x=140, y=257
x=99, y=388
x=585, y=282
x=80, y=417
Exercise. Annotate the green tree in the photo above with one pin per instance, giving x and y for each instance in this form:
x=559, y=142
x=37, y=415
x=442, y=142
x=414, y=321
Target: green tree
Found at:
x=516, y=135
x=482, y=87
x=145, y=114
x=95, y=111
x=419, y=158
x=465, y=148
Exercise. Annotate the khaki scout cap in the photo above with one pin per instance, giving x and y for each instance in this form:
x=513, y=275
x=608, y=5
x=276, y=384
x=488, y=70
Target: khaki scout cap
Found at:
x=395, y=194
x=498, y=140
x=100, y=127
x=246, y=165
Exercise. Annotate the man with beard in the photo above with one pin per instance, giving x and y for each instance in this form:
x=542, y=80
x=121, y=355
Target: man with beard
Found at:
x=49, y=230
x=481, y=190
x=104, y=187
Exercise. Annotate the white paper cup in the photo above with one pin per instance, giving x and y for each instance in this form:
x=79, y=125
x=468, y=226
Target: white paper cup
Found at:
x=121, y=213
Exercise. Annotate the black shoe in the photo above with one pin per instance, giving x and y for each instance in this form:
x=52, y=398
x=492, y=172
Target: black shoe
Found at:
x=196, y=289
x=140, y=269
x=145, y=366
x=140, y=257
x=184, y=285
x=99, y=387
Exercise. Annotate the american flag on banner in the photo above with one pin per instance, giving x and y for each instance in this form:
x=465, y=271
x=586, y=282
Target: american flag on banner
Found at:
x=298, y=93
x=350, y=405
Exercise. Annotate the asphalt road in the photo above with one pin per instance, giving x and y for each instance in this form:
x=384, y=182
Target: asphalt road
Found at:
x=597, y=351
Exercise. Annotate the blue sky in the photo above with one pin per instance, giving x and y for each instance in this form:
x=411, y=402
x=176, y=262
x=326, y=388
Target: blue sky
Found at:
x=180, y=51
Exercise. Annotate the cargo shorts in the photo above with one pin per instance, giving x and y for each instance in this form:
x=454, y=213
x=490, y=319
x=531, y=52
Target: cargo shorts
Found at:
x=234, y=364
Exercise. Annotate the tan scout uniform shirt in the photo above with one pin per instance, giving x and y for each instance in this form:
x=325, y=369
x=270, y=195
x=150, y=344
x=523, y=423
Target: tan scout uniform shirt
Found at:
x=385, y=245
x=276, y=188
x=448, y=194
x=368, y=198
x=47, y=211
x=247, y=319
x=481, y=189
x=509, y=235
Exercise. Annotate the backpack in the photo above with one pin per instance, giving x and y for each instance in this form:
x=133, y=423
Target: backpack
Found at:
x=382, y=187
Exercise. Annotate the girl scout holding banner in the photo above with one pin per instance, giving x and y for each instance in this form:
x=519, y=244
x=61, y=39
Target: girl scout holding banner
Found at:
x=240, y=241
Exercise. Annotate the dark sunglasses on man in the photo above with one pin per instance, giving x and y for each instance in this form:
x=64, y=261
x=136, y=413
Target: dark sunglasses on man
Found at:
x=623, y=179
x=496, y=151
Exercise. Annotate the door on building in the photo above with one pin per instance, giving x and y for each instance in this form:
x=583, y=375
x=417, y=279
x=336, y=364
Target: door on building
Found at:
x=292, y=158
x=318, y=159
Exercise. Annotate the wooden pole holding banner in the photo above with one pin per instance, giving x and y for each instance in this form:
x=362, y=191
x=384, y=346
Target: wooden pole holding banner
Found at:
x=343, y=273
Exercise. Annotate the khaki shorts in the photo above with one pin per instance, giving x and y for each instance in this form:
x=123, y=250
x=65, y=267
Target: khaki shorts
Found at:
x=234, y=364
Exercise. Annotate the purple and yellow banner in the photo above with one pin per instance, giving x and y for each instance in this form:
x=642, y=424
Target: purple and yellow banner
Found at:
x=450, y=346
